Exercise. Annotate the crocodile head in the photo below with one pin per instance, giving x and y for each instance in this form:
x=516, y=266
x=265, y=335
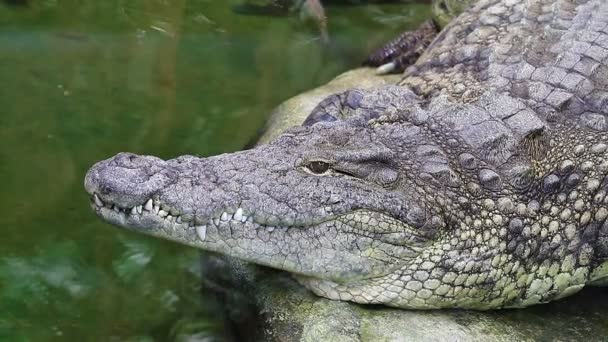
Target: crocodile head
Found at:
x=406, y=203
x=325, y=202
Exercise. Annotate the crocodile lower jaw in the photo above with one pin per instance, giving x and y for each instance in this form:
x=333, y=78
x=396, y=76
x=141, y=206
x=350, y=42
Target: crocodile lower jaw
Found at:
x=153, y=210
x=169, y=219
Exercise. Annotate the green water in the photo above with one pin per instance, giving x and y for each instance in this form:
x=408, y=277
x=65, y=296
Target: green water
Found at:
x=83, y=80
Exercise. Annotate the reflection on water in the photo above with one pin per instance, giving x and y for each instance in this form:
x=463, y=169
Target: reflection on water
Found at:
x=83, y=80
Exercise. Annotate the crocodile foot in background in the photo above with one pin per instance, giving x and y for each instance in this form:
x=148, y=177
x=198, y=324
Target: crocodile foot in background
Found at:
x=308, y=10
x=404, y=50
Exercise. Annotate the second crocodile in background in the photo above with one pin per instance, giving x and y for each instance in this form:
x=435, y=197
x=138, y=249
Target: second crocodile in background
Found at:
x=478, y=181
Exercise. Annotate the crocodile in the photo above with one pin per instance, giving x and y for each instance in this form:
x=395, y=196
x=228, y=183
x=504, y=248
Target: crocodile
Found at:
x=477, y=181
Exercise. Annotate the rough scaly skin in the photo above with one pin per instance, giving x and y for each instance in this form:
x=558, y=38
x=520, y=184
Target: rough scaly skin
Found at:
x=479, y=181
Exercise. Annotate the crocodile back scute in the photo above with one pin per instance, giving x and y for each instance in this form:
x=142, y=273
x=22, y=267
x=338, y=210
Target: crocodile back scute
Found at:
x=550, y=55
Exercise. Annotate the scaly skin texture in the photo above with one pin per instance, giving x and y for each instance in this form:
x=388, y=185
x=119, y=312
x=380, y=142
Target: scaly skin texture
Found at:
x=445, y=10
x=479, y=181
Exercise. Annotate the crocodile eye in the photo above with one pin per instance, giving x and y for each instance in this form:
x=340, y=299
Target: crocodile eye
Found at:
x=318, y=167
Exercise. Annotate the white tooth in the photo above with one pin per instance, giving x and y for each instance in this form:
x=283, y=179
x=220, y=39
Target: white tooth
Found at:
x=201, y=231
x=98, y=202
x=250, y=219
x=270, y=229
x=216, y=222
x=133, y=211
x=162, y=213
x=156, y=209
x=225, y=216
x=139, y=209
x=116, y=209
x=244, y=218
x=178, y=219
x=148, y=206
x=238, y=215
x=170, y=218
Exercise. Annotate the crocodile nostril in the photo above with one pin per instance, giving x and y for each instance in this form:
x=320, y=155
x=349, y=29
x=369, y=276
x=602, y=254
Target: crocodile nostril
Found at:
x=128, y=160
x=105, y=189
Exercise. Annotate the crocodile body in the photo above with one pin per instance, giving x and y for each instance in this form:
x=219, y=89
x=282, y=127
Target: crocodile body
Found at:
x=478, y=181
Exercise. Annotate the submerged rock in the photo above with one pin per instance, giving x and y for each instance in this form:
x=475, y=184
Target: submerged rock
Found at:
x=269, y=305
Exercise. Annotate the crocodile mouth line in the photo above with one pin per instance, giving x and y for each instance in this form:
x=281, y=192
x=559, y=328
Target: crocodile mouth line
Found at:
x=155, y=209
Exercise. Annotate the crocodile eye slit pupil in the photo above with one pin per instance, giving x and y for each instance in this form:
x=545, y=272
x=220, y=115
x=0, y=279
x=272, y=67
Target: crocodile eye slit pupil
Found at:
x=318, y=167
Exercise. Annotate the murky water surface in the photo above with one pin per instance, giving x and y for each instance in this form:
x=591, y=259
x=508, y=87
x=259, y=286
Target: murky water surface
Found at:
x=83, y=80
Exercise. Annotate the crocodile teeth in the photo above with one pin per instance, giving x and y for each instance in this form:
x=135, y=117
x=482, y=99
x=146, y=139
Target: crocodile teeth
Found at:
x=225, y=216
x=178, y=219
x=139, y=209
x=134, y=211
x=244, y=218
x=156, y=209
x=201, y=231
x=162, y=213
x=216, y=222
x=98, y=201
x=148, y=206
x=170, y=218
x=238, y=215
x=116, y=209
x=270, y=229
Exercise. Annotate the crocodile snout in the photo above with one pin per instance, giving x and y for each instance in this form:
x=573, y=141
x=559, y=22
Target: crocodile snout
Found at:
x=127, y=180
